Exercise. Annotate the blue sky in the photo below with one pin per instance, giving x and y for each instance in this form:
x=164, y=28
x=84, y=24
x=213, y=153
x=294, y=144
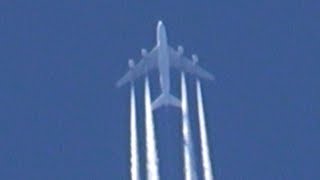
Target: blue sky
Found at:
x=61, y=116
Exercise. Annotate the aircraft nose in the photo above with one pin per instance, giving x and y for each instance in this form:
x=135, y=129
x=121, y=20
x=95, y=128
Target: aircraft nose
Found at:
x=160, y=24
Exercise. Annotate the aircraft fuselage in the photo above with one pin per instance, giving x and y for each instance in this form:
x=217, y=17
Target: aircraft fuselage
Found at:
x=163, y=59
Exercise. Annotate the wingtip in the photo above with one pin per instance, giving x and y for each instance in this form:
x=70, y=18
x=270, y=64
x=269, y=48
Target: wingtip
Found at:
x=121, y=83
x=118, y=84
x=212, y=78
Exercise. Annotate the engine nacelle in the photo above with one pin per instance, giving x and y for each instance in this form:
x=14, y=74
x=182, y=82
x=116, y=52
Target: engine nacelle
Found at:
x=130, y=63
x=195, y=59
x=143, y=52
x=180, y=50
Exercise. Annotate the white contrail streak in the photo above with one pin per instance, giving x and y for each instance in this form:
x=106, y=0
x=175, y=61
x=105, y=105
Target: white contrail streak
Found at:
x=207, y=168
x=152, y=157
x=133, y=138
x=189, y=169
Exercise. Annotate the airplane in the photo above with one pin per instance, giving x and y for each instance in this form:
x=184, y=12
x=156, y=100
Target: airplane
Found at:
x=163, y=56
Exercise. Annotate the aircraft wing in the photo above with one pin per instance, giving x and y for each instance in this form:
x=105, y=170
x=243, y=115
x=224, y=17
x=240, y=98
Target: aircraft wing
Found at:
x=185, y=64
x=147, y=63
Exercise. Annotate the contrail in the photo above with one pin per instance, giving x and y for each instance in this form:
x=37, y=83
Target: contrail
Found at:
x=152, y=157
x=133, y=138
x=189, y=169
x=207, y=168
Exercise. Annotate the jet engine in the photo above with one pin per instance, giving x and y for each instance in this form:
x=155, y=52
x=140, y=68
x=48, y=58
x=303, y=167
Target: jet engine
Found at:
x=131, y=63
x=195, y=59
x=180, y=50
x=143, y=52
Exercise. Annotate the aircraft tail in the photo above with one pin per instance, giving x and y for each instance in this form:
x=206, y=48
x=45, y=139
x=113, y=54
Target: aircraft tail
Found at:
x=166, y=100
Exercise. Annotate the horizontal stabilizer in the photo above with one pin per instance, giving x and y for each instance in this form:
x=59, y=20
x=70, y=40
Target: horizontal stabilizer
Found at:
x=166, y=100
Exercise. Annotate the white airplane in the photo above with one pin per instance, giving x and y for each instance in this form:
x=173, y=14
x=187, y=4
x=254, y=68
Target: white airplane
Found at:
x=162, y=56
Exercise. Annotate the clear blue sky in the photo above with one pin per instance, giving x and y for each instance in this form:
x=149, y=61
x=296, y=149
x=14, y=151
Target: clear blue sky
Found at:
x=61, y=116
